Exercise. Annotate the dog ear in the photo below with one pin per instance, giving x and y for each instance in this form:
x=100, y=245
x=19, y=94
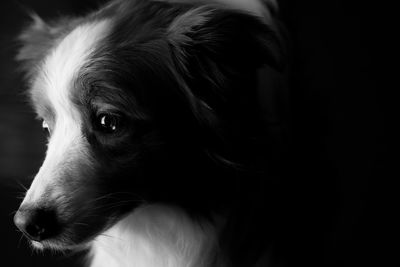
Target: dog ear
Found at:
x=217, y=53
x=212, y=47
x=229, y=36
x=37, y=39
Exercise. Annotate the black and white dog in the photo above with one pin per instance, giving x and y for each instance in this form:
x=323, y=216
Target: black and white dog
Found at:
x=158, y=145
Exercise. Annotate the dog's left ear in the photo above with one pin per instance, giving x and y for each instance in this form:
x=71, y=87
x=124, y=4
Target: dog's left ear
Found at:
x=37, y=39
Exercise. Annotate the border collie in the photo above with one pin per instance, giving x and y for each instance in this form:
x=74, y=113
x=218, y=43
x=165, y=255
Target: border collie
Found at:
x=159, y=142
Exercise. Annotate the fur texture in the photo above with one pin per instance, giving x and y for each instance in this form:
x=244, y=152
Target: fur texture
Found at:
x=158, y=154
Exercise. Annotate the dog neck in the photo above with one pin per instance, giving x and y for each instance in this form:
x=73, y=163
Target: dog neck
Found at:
x=156, y=236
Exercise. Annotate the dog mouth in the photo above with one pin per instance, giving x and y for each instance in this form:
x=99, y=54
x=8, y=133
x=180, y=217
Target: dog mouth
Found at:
x=74, y=234
x=65, y=240
x=58, y=244
x=47, y=230
x=69, y=225
x=70, y=238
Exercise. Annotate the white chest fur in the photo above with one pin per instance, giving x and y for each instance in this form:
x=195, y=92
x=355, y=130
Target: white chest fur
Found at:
x=155, y=236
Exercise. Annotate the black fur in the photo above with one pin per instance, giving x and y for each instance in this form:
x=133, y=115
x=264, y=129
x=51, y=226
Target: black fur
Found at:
x=192, y=133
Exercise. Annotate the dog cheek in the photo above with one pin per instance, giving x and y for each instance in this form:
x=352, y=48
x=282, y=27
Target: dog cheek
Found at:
x=76, y=188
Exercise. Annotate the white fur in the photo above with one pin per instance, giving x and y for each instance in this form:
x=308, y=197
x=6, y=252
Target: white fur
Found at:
x=56, y=82
x=155, y=236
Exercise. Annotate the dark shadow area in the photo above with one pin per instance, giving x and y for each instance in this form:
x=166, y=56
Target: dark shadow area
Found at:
x=341, y=191
x=339, y=199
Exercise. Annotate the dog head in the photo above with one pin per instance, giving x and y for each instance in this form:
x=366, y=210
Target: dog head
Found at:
x=134, y=98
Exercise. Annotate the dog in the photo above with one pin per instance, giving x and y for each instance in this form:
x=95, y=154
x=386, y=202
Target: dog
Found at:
x=159, y=147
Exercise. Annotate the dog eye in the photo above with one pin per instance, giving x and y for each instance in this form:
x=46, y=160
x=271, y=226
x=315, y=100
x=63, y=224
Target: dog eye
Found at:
x=108, y=123
x=45, y=126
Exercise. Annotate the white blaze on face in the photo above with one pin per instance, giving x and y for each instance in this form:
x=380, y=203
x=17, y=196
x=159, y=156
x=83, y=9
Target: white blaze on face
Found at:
x=55, y=83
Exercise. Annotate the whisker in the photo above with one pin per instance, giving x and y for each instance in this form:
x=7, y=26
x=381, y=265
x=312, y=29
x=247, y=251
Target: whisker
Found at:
x=22, y=185
x=12, y=213
x=115, y=195
x=80, y=223
x=19, y=241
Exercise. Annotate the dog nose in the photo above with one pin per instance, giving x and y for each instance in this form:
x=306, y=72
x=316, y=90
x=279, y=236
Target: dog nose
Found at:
x=37, y=224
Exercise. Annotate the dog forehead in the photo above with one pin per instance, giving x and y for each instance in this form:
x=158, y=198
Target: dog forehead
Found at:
x=59, y=71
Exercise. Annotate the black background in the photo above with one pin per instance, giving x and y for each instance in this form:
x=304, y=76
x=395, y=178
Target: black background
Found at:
x=340, y=205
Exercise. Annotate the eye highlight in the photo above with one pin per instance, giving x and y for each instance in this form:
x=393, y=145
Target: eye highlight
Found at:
x=45, y=126
x=108, y=123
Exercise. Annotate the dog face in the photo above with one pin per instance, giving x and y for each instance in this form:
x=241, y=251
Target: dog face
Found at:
x=131, y=96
